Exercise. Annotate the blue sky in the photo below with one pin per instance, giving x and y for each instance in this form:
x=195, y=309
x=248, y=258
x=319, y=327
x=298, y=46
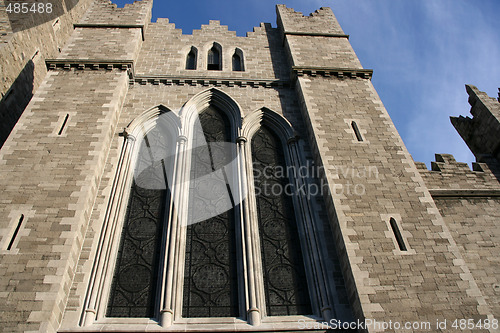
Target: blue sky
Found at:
x=422, y=53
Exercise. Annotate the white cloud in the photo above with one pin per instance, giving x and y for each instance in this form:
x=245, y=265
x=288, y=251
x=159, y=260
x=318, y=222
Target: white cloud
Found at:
x=423, y=53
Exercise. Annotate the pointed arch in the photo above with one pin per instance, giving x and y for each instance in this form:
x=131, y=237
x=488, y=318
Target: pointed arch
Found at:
x=270, y=136
x=211, y=97
x=134, y=181
x=319, y=292
x=146, y=120
x=238, y=60
x=192, y=58
x=214, y=57
x=279, y=124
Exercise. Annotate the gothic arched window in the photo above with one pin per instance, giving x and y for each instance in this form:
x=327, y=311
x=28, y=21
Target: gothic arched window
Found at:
x=135, y=280
x=214, y=62
x=191, y=58
x=229, y=242
x=285, y=285
x=210, y=277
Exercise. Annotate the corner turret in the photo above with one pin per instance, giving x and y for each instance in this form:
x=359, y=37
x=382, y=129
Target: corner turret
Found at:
x=322, y=21
x=481, y=132
x=106, y=13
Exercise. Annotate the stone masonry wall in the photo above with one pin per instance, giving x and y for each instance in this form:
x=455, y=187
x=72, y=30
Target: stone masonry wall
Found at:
x=448, y=174
x=52, y=180
x=430, y=280
x=104, y=12
x=161, y=79
x=469, y=201
x=473, y=223
x=322, y=21
x=100, y=44
x=58, y=165
x=391, y=284
x=338, y=54
x=165, y=50
x=51, y=167
x=22, y=61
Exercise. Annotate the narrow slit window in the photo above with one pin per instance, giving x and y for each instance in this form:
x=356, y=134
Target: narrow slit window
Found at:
x=356, y=131
x=191, y=59
x=214, y=60
x=63, y=124
x=397, y=234
x=14, y=236
x=8, y=94
x=56, y=25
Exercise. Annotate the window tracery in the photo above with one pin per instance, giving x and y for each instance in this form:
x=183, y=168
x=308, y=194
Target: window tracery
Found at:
x=210, y=283
x=246, y=263
x=283, y=266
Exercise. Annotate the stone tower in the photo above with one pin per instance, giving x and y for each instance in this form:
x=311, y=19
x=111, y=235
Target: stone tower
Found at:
x=101, y=193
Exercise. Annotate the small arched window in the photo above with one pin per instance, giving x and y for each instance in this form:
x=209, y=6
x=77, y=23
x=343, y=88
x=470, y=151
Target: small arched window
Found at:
x=238, y=61
x=214, y=59
x=191, y=59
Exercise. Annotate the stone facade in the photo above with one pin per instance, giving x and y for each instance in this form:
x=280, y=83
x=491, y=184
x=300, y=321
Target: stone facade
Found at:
x=23, y=55
x=63, y=164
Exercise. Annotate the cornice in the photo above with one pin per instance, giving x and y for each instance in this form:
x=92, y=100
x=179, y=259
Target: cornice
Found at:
x=464, y=193
x=208, y=81
x=93, y=64
x=332, y=71
x=316, y=34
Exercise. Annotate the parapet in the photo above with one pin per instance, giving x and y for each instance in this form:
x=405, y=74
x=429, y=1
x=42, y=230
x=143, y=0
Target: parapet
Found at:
x=447, y=174
x=481, y=132
x=322, y=21
x=106, y=13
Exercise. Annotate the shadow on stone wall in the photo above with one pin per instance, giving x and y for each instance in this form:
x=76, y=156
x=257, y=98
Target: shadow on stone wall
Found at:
x=278, y=59
x=15, y=101
x=492, y=163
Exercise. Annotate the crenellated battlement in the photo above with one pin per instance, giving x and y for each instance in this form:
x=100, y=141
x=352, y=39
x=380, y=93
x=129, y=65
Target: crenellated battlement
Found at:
x=481, y=131
x=448, y=174
x=214, y=27
x=322, y=21
x=106, y=13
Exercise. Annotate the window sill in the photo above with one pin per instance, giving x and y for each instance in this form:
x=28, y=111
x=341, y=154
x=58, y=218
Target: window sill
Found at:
x=197, y=325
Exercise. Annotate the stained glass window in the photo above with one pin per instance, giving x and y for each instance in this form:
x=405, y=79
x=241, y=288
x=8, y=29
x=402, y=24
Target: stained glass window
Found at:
x=285, y=284
x=135, y=280
x=210, y=283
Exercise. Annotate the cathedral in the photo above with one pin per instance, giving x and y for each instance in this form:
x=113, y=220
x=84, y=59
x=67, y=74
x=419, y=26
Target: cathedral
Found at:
x=155, y=181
